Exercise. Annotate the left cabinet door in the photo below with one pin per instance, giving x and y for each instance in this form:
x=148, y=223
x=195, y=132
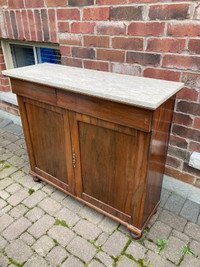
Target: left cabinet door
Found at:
x=47, y=134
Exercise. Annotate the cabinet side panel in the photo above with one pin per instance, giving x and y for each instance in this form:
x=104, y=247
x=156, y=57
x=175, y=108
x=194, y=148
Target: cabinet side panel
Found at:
x=160, y=135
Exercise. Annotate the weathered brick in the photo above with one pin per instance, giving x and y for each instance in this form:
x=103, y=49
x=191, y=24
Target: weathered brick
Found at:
x=183, y=119
x=169, y=11
x=31, y=25
x=96, y=13
x=19, y=24
x=188, y=94
x=191, y=79
x=185, y=177
x=83, y=52
x=15, y=4
x=56, y=3
x=73, y=62
x=177, y=152
x=38, y=25
x=65, y=50
x=45, y=25
x=70, y=38
x=194, y=46
x=96, y=65
x=174, y=162
x=14, y=24
x=82, y=27
x=143, y=1
x=52, y=25
x=3, y=3
x=194, y=146
x=185, y=28
x=189, y=107
x=111, y=55
x=80, y=2
x=96, y=41
x=129, y=69
x=34, y=4
x=197, y=12
x=161, y=74
x=191, y=170
x=165, y=45
x=146, y=28
x=68, y=14
x=110, y=2
x=143, y=58
x=63, y=26
x=126, y=13
x=181, y=62
x=197, y=123
x=111, y=28
x=8, y=23
x=127, y=43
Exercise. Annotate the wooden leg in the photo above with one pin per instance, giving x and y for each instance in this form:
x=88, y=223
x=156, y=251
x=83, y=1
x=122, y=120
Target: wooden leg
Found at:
x=134, y=236
x=36, y=179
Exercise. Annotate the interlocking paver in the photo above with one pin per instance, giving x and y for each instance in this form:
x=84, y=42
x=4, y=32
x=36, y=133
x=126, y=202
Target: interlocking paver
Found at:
x=13, y=188
x=58, y=195
x=102, y=239
x=195, y=247
x=172, y=220
x=156, y=260
x=18, y=211
x=190, y=261
x=126, y=262
x=48, y=189
x=27, y=238
x=72, y=204
x=34, y=214
x=36, y=261
x=4, y=194
x=87, y=230
x=193, y=231
x=108, y=225
x=180, y=235
x=151, y=246
x=56, y=256
x=62, y=234
x=104, y=258
x=5, y=209
x=5, y=182
x=43, y=245
x=91, y=214
x=5, y=221
x=190, y=211
x=159, y=231
x=95, y=263
x=3, y=243
x=164, y=196
x=136, y=250
x=7, y=171
x=50, y=205
x=3, y=260
x=2, y=203
x=26, y=181
x=18, y=197
x=34, y=199
x=68, y=216
x=174, y=203
x=72, y=262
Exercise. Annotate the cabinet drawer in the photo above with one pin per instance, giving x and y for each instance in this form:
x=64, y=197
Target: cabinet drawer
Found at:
x=103, y=109
x=35, y=91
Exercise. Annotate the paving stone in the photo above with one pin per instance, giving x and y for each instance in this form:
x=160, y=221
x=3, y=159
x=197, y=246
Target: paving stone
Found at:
x=5, y=182
x=58, y=195
x=156, y=260
x=3, y=260
x=26, y=181
x=104, y=258
x=15, y=129
x=72, y=204
x=198, y=221
x=41, y=226
x=91, y=214
x=2, y=203
x=72, y=262
x=136, y=250
x=174, y=203
x=5, y=221
x=16, y=161
x=13, y=188
x=159, y=231
x=4, y=142
x=18, y=211
x=190, y=261
x=12, y=147
x=56, y=256
x=5, y=209
x=36, y=261
x=95, y=263
x=38, y=186
x=124, y=230
x=34, y=199
x=108, y=225
x=172, y=220
x=50, y=205
x=27, y=238
x=68, y=216
x=18, y=251
x=6, y=156
x=180, y=235
x=82, y=249
x=9, y=136
x=43, y=245
x=17, y=175
x=62, y=234
x=102, y=239
x=18, y=197
x=195, y=247
x=35, y=214
x=48, y=189
x=115, y=244
x=193, y=231
x=173, y=250
x=87, y=229
x=3, y=243
x=190, y=211
x=16, y=229
x=4, y=194
x=126, y=262
x=151, y=246
x=164, y=196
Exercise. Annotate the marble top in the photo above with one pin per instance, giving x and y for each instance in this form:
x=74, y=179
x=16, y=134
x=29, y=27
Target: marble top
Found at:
x=142, y=92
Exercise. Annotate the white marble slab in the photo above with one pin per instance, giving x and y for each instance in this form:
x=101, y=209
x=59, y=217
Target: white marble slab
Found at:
x=142, y=92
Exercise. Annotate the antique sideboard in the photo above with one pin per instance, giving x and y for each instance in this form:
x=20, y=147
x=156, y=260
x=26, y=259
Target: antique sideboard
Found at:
x=100, y=137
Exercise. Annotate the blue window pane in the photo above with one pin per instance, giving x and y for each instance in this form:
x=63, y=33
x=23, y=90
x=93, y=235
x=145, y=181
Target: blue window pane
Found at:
x=48, y=55
x=22, y=55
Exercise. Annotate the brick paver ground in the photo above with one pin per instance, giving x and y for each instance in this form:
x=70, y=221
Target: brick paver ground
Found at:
x=41, y=226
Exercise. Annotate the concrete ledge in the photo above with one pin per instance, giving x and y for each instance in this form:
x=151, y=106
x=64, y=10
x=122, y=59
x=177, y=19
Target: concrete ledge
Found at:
x=183, y=189
x=9, y=97
x=14, y=118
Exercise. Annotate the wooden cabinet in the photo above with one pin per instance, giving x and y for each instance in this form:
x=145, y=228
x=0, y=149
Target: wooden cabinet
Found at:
x=108, y=155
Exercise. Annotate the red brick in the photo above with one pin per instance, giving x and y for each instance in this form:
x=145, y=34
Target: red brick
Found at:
x=197, y=12
x=144, y=1
x=6, y=88
x=38, y=24
x=169, y=11
x=124, y=68
x=19, y=24
x=194, y=46
x=110, y=2
x=65, y=50
x=2, y=66
x=111, y=28
x=70, y=39
x=12, y=110
x=188, y=94
x=56, y=3
x=197, y=183
x=96, y=65
x=96, y=41
x=177, y=141
x=185, y=177
x=25, y=23
x=190, y=133
x=82, y=27
x=165, y=45
x=174, y=162
x=182, y=62
x=162, y=74
x=83, y=52
x=74, y=62
x=96, y=13
x=143, y=58
x=191, y=79
x=111, y=55
x=182, y=119
x=146, y=28
x=80, y=2
x=31, y=25
x=5, y=81
x=14, y=24
x=194, y=146
x=52, y=25
x=197, y=123
x=126, y=13
x=8, y=23
x=188, y=107
x=34, y=4
x=177, y=152
x=183, y=28
x=3, y=3
x=191, y=170
x=127, y=43
x=45, y=26
x=15, y=4
x=68, y=14
x=63, y=26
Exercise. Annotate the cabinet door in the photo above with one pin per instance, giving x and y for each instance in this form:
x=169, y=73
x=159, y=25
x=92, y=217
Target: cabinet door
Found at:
x=106, y=155
x=48, y=141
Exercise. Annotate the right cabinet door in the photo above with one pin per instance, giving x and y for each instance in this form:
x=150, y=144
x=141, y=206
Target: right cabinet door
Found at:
x=106, y=173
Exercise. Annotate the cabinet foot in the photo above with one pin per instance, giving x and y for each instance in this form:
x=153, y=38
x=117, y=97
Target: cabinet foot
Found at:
x=134, y=236
x=36, y=179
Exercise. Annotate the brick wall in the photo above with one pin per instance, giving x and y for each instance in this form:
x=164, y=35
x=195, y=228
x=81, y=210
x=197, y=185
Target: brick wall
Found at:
x=159, y=39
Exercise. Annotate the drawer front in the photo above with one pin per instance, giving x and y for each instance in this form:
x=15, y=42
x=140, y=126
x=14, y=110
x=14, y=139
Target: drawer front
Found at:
x=37, y=92
x=122, y=114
